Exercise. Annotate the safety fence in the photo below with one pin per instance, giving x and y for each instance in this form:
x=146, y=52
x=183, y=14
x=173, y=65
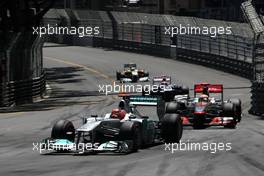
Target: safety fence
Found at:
x=148, y=34
x=23, y=91
x=256, y=22
x=22, y=78
x=258, y=79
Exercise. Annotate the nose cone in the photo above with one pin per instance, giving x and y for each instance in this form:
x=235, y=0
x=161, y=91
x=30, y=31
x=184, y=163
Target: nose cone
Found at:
x=200, y=108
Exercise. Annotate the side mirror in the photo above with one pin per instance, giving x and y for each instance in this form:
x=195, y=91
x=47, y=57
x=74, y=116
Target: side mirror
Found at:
x=132, y=117
x=84, y=120
x=145, y=117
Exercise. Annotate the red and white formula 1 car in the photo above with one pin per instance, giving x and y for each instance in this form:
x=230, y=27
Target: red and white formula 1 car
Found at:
x=207, y=110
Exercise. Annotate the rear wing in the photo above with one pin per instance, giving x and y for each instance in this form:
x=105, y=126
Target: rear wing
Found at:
x=161, y=78
x=139, y=100
x=205, y=88
x=130, y=65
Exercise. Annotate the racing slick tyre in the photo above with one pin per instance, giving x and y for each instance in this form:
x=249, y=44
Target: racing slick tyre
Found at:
x=130, y=130
x=169, y=96
x=63, y=129
x=134, y=78
x=237, y=104
x=228, y=109
x=161, y=107
x=185, y=90
x=230, y=126
x=171, y=128
x=118, y=76
x=174, y=107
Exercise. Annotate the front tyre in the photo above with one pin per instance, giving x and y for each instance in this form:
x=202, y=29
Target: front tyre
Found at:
x=238, y=109
x=118, y=76
x=63, y=129
x=134, y=78
x=130, y=130
x=171, y=128
x=229, y=110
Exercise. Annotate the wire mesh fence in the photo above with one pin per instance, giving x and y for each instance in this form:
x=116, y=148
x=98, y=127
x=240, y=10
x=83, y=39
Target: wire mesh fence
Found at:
x=257, y=26
x=146, y=28
x=151, y=29
x=148, y=33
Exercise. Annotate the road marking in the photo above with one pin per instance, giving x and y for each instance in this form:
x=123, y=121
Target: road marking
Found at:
x=11, y=114
x=97, y=72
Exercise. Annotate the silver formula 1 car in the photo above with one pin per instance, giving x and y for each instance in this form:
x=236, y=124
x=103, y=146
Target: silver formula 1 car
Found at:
x=133, y=125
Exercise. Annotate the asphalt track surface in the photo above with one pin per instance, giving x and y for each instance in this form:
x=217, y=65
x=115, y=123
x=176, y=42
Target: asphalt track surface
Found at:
x=74, y=74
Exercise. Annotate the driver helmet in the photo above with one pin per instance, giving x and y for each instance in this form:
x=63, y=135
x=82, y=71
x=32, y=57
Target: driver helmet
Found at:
x=115, y=112
x=122, y=114
x=204, y=98
x=118, y=114
x=164, y=82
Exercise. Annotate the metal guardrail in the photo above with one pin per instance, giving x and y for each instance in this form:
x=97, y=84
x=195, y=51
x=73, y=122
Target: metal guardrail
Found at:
x=257, y=105
x=257, y=25
x=253, y=18
x=23, y=91
x=22, y=78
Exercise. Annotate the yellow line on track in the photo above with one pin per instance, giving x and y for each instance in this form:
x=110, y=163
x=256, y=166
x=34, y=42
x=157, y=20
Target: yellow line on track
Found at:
x=11, y=114
x=97, y=72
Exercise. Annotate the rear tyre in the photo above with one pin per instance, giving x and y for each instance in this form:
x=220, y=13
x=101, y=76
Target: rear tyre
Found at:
x=185, y=90
x=131, y=131
x=171, y=128
x=237, y=104
x=172, y=108
x=118, y=76
x=134, y=78
x=228, y=110
x=161, y=108
x=63, y=129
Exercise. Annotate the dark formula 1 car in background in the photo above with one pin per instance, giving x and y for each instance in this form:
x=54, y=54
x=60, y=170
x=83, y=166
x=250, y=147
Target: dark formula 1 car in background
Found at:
x=206, y=110
x=132, y=74
x=167, y=90
x=134, y=124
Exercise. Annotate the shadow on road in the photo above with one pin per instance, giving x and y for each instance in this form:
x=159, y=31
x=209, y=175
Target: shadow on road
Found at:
x=60, y=78
x=63, y=74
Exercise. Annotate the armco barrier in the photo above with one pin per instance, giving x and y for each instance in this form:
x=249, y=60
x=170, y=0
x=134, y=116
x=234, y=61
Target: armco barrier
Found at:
x=257, y=25
x=18, y=92
x=22, y=77
x=257, y=98
x=233, y=66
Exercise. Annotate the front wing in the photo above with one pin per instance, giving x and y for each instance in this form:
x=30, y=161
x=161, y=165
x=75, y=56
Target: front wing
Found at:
x=64, y=145
x=210, y=121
